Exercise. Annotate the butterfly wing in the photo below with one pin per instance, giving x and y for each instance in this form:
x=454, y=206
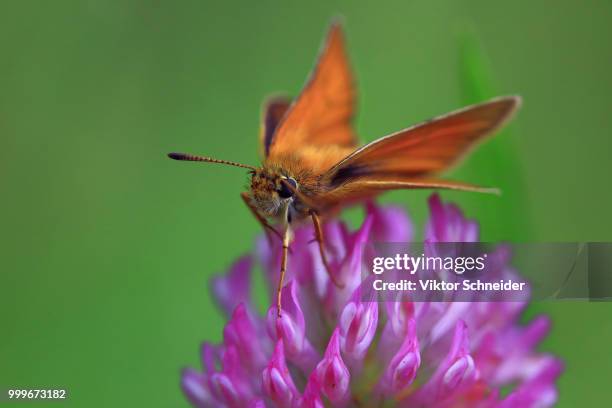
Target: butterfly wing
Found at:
x=321, y=115
x=363, y=189
x=424, y=149
x=411, y=158
x=273, y=111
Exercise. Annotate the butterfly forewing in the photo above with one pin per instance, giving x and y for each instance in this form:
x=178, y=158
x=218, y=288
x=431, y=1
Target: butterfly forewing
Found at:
x=411, y=158
x=424, y=149
x=321, y=115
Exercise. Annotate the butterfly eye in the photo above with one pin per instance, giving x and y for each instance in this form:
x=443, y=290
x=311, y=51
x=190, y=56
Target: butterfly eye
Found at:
x=284, y=191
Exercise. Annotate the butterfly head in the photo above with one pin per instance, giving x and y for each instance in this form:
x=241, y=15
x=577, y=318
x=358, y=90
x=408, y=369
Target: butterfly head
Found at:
x=272, y=190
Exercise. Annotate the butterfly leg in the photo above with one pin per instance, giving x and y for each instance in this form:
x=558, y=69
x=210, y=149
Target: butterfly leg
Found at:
x=319, y=238
x=283, y=269
x=264, y=223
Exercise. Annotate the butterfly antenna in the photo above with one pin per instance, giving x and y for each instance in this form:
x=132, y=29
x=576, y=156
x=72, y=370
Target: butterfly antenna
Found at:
x=192, y=157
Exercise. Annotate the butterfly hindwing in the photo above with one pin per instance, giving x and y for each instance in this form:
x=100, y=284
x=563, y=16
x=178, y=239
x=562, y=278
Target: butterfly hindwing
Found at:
x=273, y=112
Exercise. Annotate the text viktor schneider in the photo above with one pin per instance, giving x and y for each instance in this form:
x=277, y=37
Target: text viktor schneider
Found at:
x=436, y=285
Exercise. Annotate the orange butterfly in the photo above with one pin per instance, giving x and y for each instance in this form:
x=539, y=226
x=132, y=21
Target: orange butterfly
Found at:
x=312, y=165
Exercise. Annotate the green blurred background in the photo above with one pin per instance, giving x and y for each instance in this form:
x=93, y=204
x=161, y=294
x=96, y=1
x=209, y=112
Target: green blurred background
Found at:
x=107, y=246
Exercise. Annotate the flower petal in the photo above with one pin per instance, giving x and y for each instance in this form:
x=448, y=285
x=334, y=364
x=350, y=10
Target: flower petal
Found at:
x=257, y=404
x=539, y=391
x=358, y=323
x=224, y=390
x=233, y=288
x=390, y=224
x=231, y=386
x=312, y=394
x=455, y=374
x=276, y=379
x=211, y=357
x=402, y=369
x=447, y=223
x=195, y=387
x=332, y=374
x=290, y=327
x=350, y=268
x=242, y=334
